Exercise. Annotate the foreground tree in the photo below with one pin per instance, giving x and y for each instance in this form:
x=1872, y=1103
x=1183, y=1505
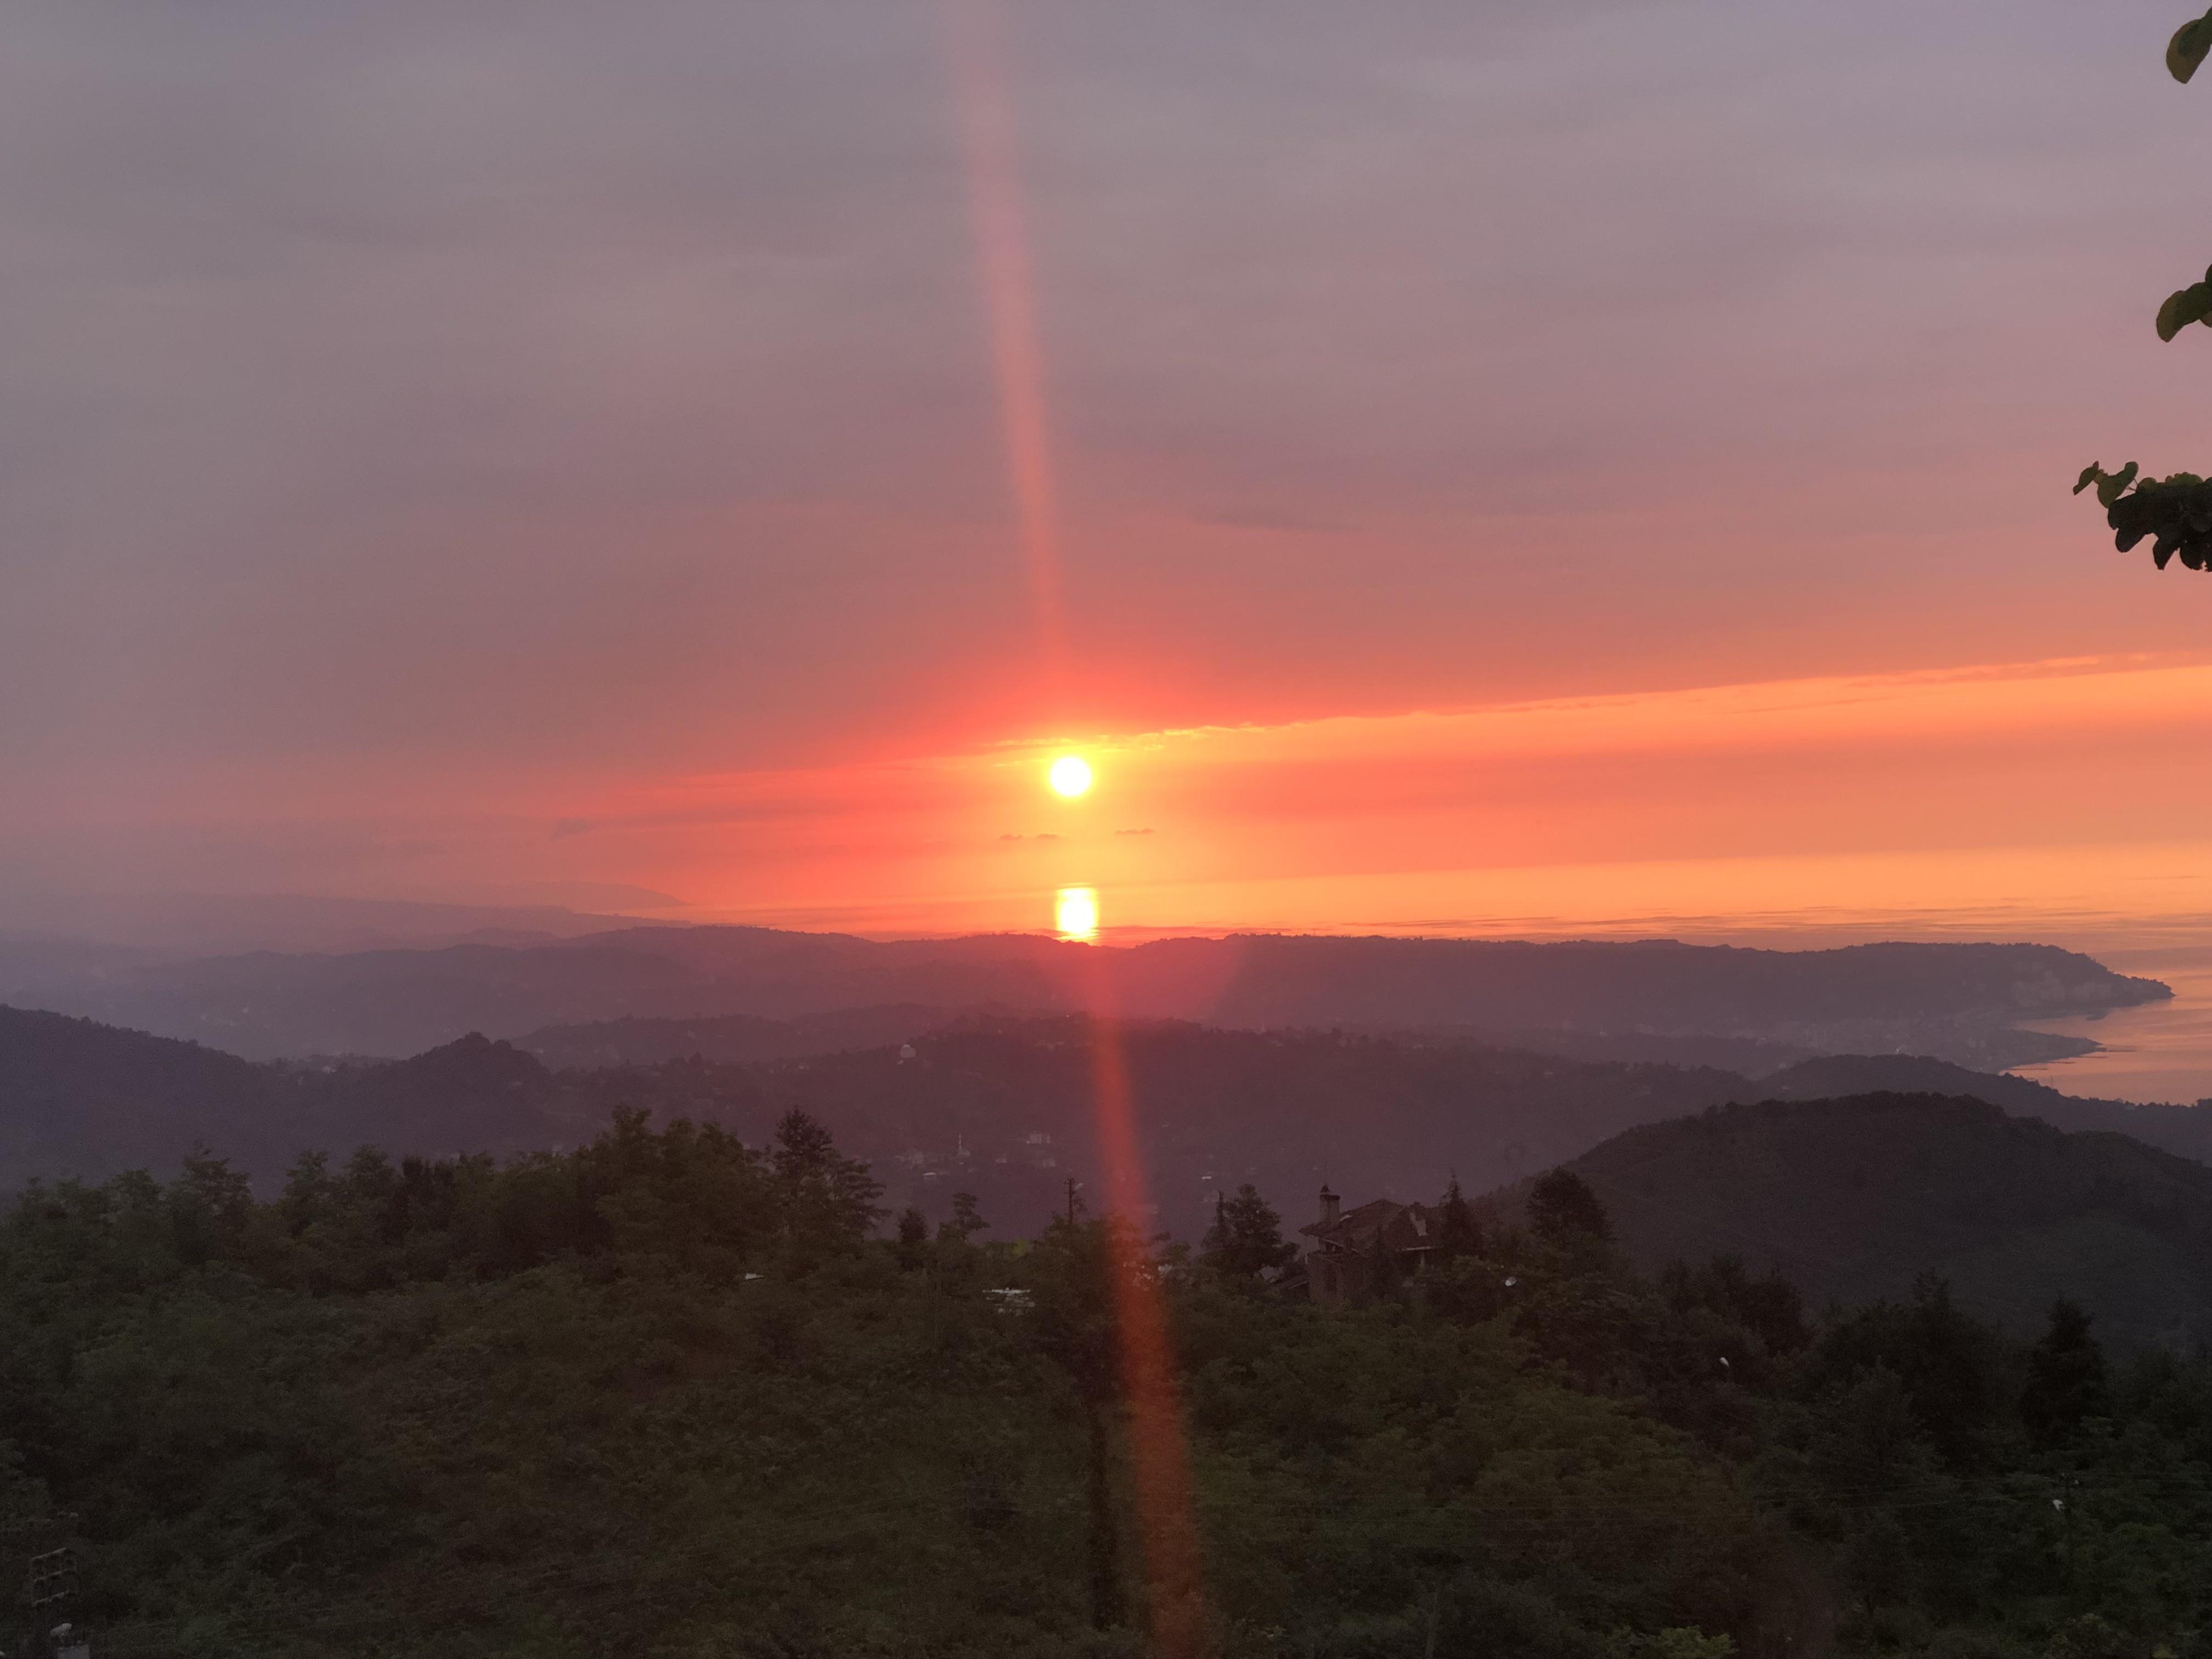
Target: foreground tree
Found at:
x=2066, y=1386
x=1245, y=1243
x=1071, y=1322
x=1565, y=1211
x=827, y=1199
x=1458, y=1233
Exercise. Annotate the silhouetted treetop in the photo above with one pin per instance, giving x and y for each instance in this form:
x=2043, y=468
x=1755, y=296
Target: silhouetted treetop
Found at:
x=1245, y=1243
x=1562, y=1209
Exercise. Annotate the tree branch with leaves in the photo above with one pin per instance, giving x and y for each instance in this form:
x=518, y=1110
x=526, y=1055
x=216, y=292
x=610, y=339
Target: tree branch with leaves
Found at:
x=2174, y=514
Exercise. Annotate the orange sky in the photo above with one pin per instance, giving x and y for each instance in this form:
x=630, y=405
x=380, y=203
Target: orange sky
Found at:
x=2065, y=797
x=1983, y=790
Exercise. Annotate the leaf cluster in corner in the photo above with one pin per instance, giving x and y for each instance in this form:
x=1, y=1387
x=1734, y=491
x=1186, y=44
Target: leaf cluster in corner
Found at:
x=2174, y=513
x=2185, y=305
x=2191, y=43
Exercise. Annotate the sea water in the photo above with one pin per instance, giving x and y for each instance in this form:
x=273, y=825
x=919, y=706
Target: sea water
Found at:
x=2161, y=1051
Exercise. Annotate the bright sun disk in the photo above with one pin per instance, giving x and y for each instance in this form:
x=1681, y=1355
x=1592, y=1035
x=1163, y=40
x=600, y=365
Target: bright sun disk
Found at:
x=1071, y=775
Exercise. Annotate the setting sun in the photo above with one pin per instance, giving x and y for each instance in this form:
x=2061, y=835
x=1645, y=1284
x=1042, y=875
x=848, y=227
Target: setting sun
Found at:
x=1071, y=775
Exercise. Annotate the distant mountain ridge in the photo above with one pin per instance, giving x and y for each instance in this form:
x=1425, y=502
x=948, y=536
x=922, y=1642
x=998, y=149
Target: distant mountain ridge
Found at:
x=74, y=1094
x=1951, y=1001
x=2184, y=1130
x=1851, y=1196
x=732, y=1039
x=1285, y=1109
x=1854, y=1199
x=81, y=1099
x=1281, y=1109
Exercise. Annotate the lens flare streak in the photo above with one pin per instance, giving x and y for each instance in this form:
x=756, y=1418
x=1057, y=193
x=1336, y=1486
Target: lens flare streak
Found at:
x=1159, y=1455
x=975, y=31
x=1159, y=1452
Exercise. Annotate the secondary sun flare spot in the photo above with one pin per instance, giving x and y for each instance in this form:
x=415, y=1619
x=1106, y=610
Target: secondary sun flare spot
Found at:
x=1075, y=912
x=1070, y=776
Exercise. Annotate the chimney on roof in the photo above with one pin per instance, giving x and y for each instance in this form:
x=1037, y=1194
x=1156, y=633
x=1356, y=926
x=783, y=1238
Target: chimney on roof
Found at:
x=1328, y=1203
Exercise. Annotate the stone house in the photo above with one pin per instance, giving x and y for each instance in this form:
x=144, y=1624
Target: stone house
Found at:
x=1356, y=1252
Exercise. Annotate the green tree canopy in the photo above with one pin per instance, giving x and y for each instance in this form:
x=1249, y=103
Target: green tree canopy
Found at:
x=1245, y=1242
x=2066, y=1386
x=1563, y=1210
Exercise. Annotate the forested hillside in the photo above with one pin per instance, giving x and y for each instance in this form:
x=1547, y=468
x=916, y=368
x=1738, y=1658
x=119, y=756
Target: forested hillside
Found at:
x=1855, y=1199
x=734, y=1039
x=2176, y=1129
x=1000, y=1107
x=81, y=1098
x=1003, y=1108
x=78, y=1098
x=666, y=1394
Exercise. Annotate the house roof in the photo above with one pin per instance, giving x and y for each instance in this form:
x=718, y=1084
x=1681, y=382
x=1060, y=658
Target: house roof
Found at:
x=1399, y=1226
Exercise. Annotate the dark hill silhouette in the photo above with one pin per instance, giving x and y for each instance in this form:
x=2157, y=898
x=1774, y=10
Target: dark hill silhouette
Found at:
x=471, y=1095
x=1000, y=1108
x=1004, y=1108
x=734, y=1039
x=1853, y=1198
x=2183, y=1129
x=1970, y=1048
x=1304, y=980
x=80, y=1097
x=1285, y=1109
x=1946, y=1000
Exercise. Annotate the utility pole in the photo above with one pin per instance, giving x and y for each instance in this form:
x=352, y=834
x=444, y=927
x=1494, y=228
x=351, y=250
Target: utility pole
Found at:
x=2066, y=1534
x=1070, y=1201
x=50, y=1589
x=49, y=1586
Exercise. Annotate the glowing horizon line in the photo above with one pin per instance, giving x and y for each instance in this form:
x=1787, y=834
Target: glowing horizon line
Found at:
x=1815, y=690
